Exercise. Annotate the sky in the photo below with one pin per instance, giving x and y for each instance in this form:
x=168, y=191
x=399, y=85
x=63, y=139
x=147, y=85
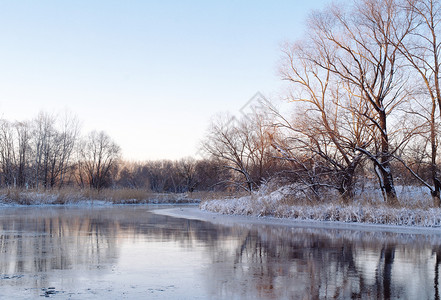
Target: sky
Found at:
x=151, y=74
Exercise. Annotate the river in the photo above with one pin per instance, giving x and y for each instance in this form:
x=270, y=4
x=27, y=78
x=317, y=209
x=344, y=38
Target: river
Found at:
x=130, y=252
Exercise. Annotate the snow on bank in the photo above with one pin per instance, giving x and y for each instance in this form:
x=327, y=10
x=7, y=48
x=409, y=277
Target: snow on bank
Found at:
x=272, y=205
x=32, y=198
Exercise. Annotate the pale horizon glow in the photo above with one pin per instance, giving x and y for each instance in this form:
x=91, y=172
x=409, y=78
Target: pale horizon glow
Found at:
x=149, y=73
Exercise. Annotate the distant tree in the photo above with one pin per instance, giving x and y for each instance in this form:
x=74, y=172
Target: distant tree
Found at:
x=187, y=172
x=133, y=175
x=43, y=143
x=160, y=175
x=99, y=155
x=212, y=176
x=24, y=152
x=51, y=142
x=243, y=147
x=67, y=138
x=7, y=153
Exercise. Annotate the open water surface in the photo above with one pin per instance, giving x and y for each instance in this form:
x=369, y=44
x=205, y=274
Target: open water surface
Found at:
x=128, y=252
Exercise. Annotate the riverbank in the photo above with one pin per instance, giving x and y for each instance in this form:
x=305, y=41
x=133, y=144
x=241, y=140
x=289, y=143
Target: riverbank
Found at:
x=415, y=209
x=259, y=207
x=196, y=213
x=67, y=196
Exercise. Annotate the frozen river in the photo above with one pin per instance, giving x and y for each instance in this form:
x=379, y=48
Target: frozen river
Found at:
x=129, y=252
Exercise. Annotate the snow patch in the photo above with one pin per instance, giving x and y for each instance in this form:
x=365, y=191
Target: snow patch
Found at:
x=271, y=204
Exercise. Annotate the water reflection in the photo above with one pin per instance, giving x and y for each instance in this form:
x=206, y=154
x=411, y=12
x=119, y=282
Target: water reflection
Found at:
x=287, y=263
x=128, y=251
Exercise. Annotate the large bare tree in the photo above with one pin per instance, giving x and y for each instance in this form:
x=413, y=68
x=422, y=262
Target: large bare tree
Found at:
x=358, y=48
x=325, y=128
x=421, y=49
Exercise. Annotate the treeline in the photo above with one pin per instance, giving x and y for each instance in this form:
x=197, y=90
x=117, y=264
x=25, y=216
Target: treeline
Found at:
x=48, y=152
x=366, y=105
x=189, y=175
x=173, y=176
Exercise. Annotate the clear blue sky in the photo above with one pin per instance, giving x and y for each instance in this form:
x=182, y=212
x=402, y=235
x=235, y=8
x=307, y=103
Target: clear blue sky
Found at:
x=149, y=73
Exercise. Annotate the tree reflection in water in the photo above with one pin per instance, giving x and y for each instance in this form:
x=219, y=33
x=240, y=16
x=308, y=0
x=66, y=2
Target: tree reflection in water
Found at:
x=240, y=261
x=295, y=263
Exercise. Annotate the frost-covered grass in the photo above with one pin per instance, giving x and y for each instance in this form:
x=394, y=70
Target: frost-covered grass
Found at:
x=103, y=197
x=415, y=209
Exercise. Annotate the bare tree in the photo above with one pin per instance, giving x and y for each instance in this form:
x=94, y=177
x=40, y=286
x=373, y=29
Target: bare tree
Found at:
x=7, y=153
x=42, y=136
x=186, y=168
x=134, y=175
x=243, y=146
x=325, y=130
x=24, y=150
x=162, y=175
x=259, y=127
x=211, y=175
x=358, y=49
x=421, y=49
x=98, y=156
x=225, y=143
x=65, y=140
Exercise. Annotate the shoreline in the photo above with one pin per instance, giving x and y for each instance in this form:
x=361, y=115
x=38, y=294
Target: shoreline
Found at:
x=195, y=213
x=192, y=211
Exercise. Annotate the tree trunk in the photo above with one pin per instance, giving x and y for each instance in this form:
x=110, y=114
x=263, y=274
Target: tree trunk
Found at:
x=388, y=181
x=434, y=169
x=389, y=187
